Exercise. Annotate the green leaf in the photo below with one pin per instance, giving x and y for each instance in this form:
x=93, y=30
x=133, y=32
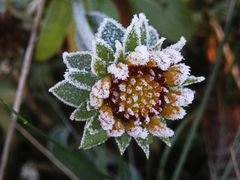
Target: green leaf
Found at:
x=53, y=29
x=69, y=94
x=95, y=18
x=119, y=54
x=82, y=114
x=123, y=142
x=167, y=141
x=107, y=7
x=153, y=36
x=85, y=35
x=81, y=79
x=93, y=134
x=99, y=67
x=78, y=60
x=193, y=80
x=110, y=31
x=103, y=51
x=132, y=38
x=143, y=143
x=143, y=29
x=75, y=160
x=172, y=20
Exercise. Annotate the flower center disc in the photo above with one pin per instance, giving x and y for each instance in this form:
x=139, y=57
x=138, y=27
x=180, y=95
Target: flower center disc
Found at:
x=139, y=96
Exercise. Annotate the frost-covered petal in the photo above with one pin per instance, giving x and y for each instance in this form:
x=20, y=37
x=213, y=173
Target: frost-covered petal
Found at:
x=177, y=74
x=120, y=71
x=95, y=101
x=163, y=61
x=173, y=51
x=117, y=129
x=158, y=128
x=179, y=96
x=174, y=56
x=101, y=88
x=106, y=117
x=135, y=130
x=140, y=56
x=173, y=112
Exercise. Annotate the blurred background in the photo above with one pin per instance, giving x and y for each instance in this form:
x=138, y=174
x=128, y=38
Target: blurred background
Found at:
x=207, y=141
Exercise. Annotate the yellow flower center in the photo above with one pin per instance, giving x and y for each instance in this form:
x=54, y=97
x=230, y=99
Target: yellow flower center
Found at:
x=138, y=97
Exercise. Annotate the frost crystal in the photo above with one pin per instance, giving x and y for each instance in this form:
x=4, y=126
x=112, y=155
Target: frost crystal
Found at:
x=140, y=56
x=120, y=71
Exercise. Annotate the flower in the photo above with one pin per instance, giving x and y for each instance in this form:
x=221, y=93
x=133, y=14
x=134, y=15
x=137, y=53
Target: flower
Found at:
x=128, y=86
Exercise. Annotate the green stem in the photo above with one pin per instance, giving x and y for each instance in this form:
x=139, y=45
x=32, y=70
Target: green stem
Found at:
x=209, y=87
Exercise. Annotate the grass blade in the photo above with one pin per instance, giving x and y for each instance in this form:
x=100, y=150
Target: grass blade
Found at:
x=209, y=87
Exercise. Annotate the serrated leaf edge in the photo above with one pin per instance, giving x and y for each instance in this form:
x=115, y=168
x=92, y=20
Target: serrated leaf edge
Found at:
x=75, y=82
x=51, y=90
x=70, y=54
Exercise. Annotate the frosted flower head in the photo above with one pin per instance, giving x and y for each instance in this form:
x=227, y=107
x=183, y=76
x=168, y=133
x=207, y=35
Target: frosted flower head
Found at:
x=128, y=86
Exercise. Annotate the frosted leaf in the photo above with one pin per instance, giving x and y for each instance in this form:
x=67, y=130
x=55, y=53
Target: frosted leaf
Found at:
x=119, y=54
x=143, y=26
x=158, y=45
x=132, y=36
x=95, y=18
x=103, y=51
x=69, y=94
x=192, y=80
x=144, y=146
x=120, y=71
x=82, y=114
x=110, y=31
x=99, y=67
x=167, y=141
x=80, y=79
x=78, y=60
x=153, y=36
x=179, y=45
x=123, y=142
x=93, y=134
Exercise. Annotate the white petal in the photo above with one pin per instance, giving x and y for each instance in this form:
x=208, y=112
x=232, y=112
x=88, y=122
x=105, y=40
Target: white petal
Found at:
x=163, y=61
x=107, y=121
x=120, y=71
x=163, y=131
x=101, y=88
x=95, y=101
x=138, y=132
x=140, y=56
